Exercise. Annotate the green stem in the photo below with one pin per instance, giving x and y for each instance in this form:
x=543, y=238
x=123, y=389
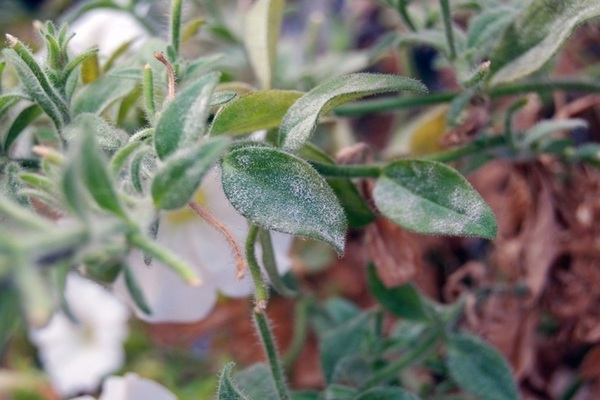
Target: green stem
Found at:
x=402, y=9
x=300, y=331
x=270, y=264
x=261, y=290
x=474, y=147
x=176, y=25
x=148, y=87
x=391, y=370
x=166, y=257
x=347, y=171
x=264, y=330
x=260, y=317
x=389, y=104
x=448, y=28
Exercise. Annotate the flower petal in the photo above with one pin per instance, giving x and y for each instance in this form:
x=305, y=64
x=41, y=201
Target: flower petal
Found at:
x=132, y=387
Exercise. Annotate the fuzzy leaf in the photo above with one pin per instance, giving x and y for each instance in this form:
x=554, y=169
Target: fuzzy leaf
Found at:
x=101, y=93
x=228, y=390
x=279, y=191
x=429, y=197
x=178, y=179
x=301, y=119
x=536, y=34
x=480, y=369
x=257, y=382
x=254, y=111
x=486, y=26
x=183, y=121
x=94, y=172
x=547, y=127
x=263, y=22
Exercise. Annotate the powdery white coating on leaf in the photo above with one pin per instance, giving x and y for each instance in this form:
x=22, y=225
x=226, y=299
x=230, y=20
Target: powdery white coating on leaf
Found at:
x=282, y=192
x=429, y=197
x=300, y=120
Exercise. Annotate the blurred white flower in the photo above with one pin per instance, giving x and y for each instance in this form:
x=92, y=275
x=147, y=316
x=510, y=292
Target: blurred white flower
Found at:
x=204, y=248
x=131, y=387
x=107, y=29
x=77, y=355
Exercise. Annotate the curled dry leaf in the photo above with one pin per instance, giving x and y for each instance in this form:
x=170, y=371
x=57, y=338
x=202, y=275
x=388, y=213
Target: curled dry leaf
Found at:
x=394, y=252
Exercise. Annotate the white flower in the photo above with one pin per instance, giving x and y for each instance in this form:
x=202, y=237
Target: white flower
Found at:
x=205, y=249
x=77, y=355
x=131, y=387
x=107, y=29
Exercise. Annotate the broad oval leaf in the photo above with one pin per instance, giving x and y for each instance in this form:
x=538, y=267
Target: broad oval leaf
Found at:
x=301, y=119
x=178, y=179
x=255, y=111
x=480, y=369
x=429, y=197
x=257, y=382
x=184, y=119
x=279, y=191
x=536, y=34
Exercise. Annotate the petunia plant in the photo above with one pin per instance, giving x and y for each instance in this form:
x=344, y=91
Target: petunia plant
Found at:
x=168, y=181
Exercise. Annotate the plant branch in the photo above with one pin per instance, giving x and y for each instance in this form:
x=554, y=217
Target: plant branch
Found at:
x=444, y=4
x=347, y=171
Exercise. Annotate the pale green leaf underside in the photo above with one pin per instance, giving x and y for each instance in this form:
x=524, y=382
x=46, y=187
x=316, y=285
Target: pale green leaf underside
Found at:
x=429, y=197
x=263, y=23
x=536, y=35
x=480, y=369
x=254, y=111
x=279, y=191
x=301, y=119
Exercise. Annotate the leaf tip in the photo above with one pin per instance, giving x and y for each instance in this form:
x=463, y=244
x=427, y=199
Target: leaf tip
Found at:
x=12, y=41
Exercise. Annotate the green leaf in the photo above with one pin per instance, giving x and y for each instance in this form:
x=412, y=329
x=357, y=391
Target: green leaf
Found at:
x=344, y=340
x=404, y=301
x=178, y=179
x=23, y=120
x=301, y=119
x=479, y=368
x=544, y=128
x=257, y=382
x=107, y=136
x=37, y=86
x=135, y=291
x=101, y=93
x=487, y=26
x=9, y=313
x=263, y=22
x=94, y=171
x=184, y=120
x=386, y=393
x=536, y=34
x=270, y=264
x=279, y=191
x=339, y=392
x=254, y=111
x=228, y=390
x=432, y=198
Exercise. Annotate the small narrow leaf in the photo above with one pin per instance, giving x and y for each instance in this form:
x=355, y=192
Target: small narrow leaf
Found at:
x=178, y=179
x=279, y=191
x=94, y=172
x=301, y=119
x=253, y=112
x=90, y=69
x=263, y=23
x=429, y=197
x=480, y=369
x=404, y=301
x=135, y=291
x=25, y=117
x=228, y=390
x=536, y=34
x=184, y=119
x=545, y=128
